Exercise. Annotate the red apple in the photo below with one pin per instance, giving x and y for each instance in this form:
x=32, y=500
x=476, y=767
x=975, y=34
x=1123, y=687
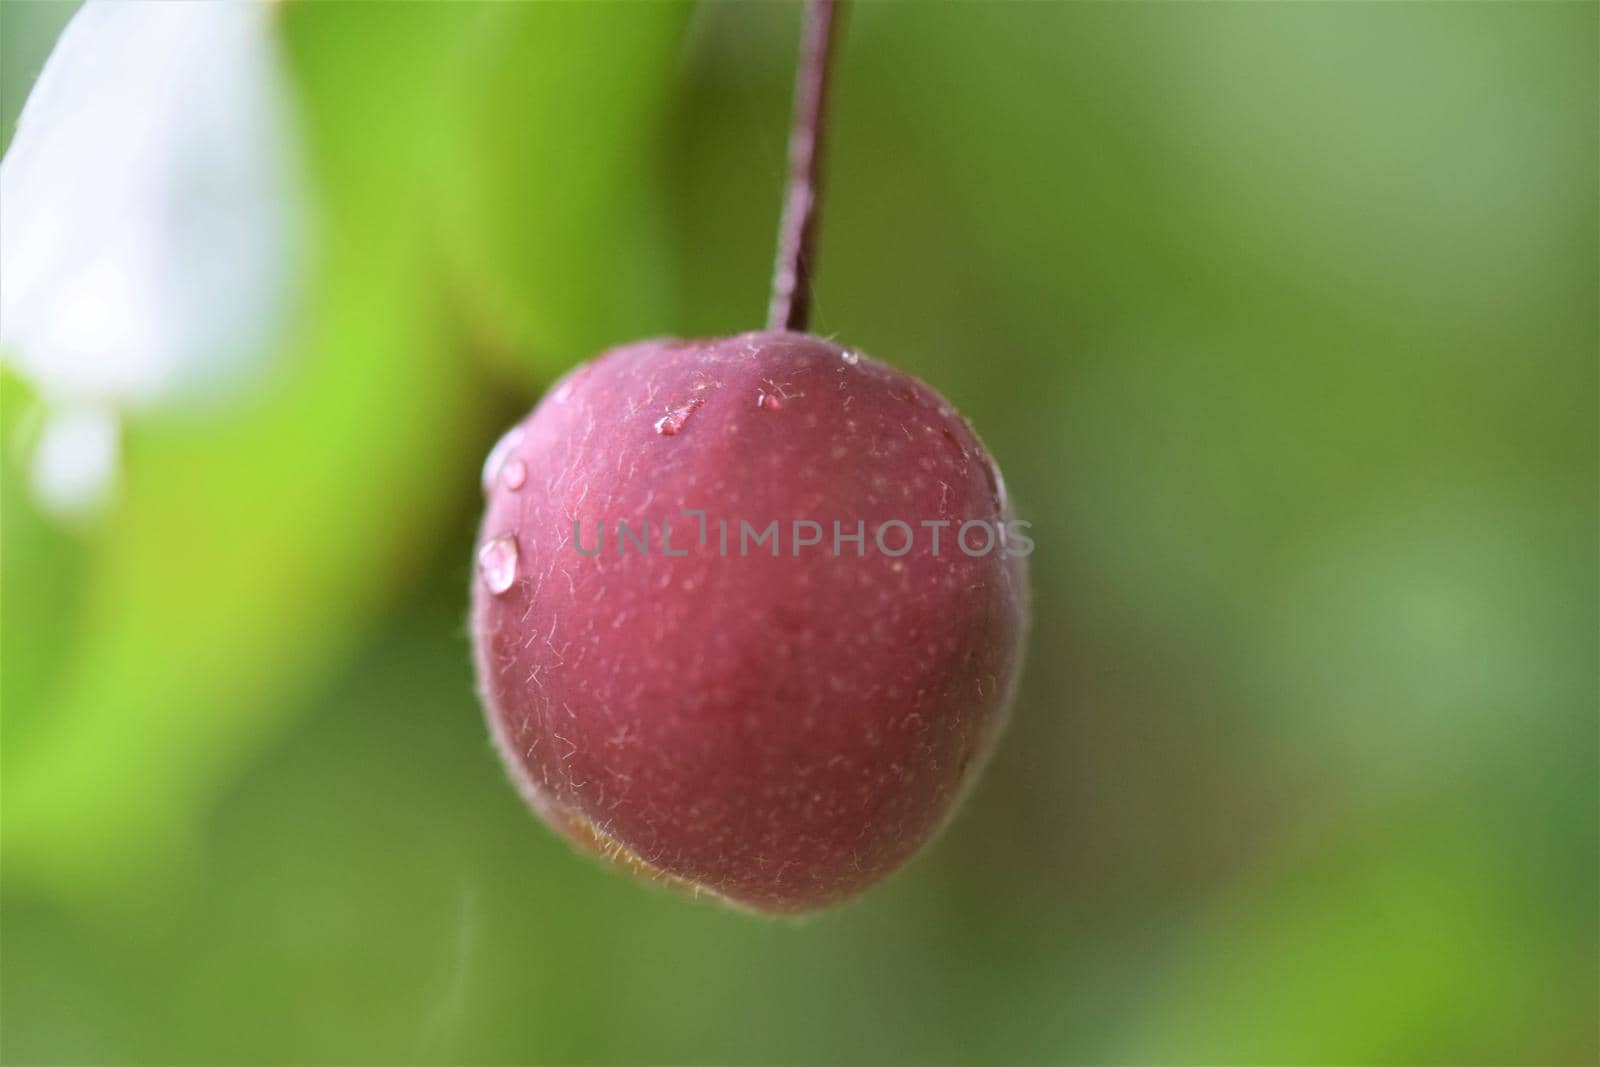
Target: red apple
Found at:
x=780, y=731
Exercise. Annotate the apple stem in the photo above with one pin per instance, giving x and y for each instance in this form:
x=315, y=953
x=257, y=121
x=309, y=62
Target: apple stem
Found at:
x=802, y=206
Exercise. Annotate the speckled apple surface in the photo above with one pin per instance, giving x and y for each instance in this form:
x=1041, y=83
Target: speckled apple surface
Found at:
x=784, y=731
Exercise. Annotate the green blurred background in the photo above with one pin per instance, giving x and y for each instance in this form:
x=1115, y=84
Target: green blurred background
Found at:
x=1282, y=321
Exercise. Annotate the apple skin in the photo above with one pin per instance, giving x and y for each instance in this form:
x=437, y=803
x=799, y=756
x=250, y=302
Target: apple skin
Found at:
x=778, y=732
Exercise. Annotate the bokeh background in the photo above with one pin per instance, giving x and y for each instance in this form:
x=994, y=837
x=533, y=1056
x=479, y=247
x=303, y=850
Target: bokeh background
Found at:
x=1282, y=321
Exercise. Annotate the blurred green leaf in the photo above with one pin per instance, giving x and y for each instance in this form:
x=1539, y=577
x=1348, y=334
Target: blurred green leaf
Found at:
x=550, y=202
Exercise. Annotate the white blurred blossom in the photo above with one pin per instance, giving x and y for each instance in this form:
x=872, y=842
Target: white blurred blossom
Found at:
x=75, y=460
x=149, y=223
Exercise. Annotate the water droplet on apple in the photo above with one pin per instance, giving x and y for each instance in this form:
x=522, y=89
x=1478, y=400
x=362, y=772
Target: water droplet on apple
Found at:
x=769, y=401
x=850, y=356
x=514, y=474
x=498, y=456
x=497, y=562
x=674, y=420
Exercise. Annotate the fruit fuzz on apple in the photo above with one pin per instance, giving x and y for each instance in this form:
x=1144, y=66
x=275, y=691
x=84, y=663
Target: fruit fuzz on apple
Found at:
x=779, y=730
